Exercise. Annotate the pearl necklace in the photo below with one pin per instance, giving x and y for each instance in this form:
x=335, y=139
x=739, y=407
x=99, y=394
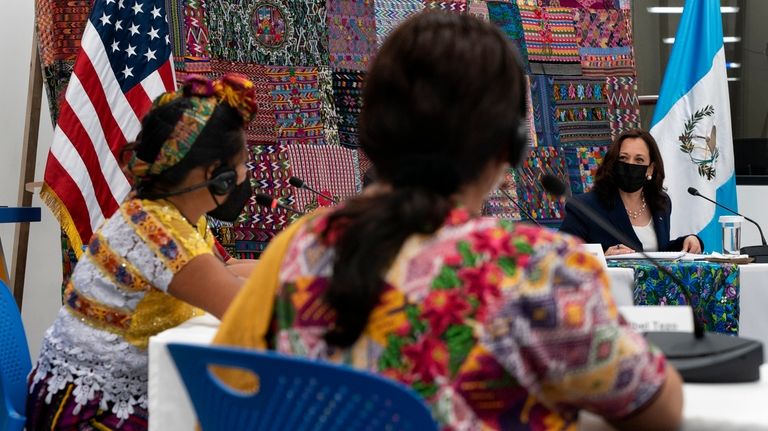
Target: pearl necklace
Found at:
x=635, y=214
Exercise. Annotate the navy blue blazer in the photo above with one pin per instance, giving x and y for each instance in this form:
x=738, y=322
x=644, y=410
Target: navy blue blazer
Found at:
x=577, y=224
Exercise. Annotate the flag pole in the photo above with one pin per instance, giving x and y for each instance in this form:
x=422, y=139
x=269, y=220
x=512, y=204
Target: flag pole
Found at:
x=27, y=172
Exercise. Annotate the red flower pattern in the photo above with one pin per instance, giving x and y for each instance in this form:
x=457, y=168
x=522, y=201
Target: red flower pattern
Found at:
x=443, y=308
x=428, y=358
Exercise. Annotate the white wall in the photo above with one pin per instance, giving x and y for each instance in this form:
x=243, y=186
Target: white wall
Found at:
x=753, y=203
x=43, y=278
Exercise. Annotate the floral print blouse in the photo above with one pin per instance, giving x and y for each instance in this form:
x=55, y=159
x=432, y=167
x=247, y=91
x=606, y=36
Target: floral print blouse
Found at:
x=497, y=325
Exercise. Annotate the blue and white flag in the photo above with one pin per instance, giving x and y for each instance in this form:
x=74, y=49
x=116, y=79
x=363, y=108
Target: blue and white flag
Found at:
x=692, y=125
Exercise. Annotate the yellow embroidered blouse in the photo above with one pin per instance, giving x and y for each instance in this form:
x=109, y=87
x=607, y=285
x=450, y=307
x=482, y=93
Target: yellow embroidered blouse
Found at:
x=116, y=299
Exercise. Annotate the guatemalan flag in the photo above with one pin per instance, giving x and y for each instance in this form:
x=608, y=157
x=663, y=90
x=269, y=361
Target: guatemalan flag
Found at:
x=692, y=124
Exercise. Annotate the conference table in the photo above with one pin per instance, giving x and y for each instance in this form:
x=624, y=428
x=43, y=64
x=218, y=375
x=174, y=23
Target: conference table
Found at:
x=707, y=407
x=753, y=298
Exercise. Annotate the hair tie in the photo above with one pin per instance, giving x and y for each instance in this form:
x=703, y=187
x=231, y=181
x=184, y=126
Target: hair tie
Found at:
x=198, y=86
x=237, y=91
x=202, y=95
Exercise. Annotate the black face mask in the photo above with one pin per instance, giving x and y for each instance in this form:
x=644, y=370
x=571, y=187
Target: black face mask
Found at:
x=629, y=178
x=234, y=204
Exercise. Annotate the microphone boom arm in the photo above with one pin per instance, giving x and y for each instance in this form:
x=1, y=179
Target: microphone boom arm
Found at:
x=698, y=327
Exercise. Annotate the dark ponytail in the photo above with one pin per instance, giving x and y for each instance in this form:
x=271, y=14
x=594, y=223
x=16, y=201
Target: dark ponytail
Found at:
x=374, y=231
x=441, y=102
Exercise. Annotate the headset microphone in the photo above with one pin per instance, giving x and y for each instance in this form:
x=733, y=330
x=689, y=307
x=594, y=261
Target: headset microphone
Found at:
x=223, y=181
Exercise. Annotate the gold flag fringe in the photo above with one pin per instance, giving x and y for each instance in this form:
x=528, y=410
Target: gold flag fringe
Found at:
x=59, y=210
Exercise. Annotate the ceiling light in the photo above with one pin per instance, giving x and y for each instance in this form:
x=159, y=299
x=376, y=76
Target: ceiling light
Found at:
x=734, y=79
x=726, y=39
x=732, y=65
x=671, y=9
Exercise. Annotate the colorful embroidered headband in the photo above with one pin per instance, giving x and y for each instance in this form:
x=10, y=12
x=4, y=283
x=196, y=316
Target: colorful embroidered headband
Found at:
x=203, y=95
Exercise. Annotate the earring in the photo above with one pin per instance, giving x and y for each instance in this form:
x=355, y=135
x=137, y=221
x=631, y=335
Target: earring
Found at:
x=650, y=177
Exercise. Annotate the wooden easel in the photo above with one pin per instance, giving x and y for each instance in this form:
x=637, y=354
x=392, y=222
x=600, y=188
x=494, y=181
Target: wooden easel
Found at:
x=27, y=173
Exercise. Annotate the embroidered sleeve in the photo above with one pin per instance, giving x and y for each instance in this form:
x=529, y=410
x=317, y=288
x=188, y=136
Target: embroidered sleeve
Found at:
x=172, y=241
x=559, y=333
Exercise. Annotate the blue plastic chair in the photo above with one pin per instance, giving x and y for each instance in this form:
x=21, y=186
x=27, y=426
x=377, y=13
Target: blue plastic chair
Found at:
x=295, y=394
x=14, y=363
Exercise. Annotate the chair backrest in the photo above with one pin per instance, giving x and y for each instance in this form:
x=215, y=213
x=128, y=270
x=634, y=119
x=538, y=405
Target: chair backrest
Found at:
x=14, y=363
x=295, y=394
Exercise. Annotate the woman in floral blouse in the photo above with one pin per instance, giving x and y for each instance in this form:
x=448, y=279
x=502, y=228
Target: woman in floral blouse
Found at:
x=497, y=325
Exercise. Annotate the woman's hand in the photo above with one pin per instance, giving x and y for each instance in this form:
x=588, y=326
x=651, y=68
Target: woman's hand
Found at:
x=618, y=249
x=691, y=244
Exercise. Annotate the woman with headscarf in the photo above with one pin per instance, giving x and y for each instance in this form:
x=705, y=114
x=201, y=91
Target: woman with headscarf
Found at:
x=150, y=266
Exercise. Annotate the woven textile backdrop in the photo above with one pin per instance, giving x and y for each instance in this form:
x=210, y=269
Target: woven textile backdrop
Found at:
x=308, y=59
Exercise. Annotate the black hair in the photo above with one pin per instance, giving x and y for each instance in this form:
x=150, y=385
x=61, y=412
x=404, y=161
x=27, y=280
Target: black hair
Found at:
x=217, y=144
x=443, y=99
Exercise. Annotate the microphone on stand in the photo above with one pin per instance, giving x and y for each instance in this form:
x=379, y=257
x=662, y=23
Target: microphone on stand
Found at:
x=703, y=358
x=268, y=201
x=301, y=184
x=759, y=252
x=520, y=207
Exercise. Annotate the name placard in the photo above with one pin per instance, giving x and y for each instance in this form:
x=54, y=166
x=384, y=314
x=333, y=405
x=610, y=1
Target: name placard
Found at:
x=658, y=318
x=597, y=251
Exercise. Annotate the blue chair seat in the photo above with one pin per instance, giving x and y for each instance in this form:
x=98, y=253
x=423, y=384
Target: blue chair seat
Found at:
x=14, y=363
x=295, y=394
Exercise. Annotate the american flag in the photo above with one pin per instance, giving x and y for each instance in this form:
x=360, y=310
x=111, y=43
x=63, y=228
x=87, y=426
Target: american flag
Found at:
x=124, y=63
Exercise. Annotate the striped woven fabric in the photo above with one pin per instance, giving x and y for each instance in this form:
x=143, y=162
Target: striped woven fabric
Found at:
x=605, y=42
x=348, y=98
x=390, y=13
x=507, y=17
x=581, y=110
x=262, y=128
x=334, y=170
x=498, y=204
x=270, y=171
x=459, y=6
x=543, y=110
x=583, y=4
x=582, y=165
x=531, y=194
x=351, y=33
x=296, y=100
x=623, y=105
x=550, y=40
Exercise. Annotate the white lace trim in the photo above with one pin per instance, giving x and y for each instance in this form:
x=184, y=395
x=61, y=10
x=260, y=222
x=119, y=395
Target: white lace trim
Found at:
x=94, y=361
x=123, y=240
x=89, y=280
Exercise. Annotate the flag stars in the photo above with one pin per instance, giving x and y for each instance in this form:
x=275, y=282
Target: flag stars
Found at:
x=120, y=4
x=153, y=34
x=134, y=29
x=131, y=50
x=167, y=40
x=128, y=71
x=150, y=54
x=137, y=8
x=155, y=12
x=119, y=24
x=105, y=18
x=110, y=1
x=115, y=46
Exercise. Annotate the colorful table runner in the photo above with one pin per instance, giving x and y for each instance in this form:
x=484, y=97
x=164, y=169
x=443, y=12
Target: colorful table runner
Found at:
x=713, y=288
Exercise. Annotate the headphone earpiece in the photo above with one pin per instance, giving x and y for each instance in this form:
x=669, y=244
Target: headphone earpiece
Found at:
x=223, y=180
